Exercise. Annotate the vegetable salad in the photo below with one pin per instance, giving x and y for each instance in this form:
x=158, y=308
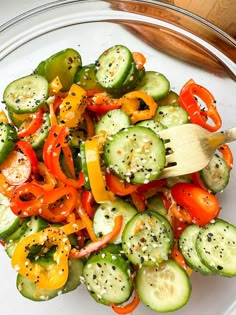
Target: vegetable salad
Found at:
x=81, y=202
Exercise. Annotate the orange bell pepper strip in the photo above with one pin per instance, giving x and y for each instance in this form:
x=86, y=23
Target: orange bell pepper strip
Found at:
x=73, y=107
x=73, y=227
x=87, y=222
x=88, y=203
x=89, y=125
x=94, y=246
x=3, y=117
x=5, y=188
x=227, y=155
x=58, y=204
x=138, y=200
x=53, y=276
x=132, y=106
x=48, y=181
x=179, y=258
x=139, y=60
x=128, y=308
x=188, y=100
x=95, y=175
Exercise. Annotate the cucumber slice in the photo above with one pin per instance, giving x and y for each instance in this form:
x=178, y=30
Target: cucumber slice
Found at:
x=187, y=246
x=165, y=288
x=26, y=94
x=75, y=273
x=86, y=77
x=147, y=239
x=154, y=84
x=105, y=214
x=135, y=154
x=156, y=203
x=151, y=124
x=7, y=140
x=34, y=225
x=215, y=175
x=31, y=291
x=37, y=139
x=63, y=64
x=107, y=278
x=171, y=99
x=113, y=66
x=9, y=221
x=112, y=122
x=216, y=247
x=171, y=115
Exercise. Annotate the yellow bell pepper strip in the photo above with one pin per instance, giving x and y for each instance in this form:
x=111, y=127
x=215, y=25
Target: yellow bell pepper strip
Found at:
x=73, y=227
x=3, y=117
x=55, y=86
x=132, y=106
x=73, y=107
x=53, y=276
x=95, y=175
x=94, y=246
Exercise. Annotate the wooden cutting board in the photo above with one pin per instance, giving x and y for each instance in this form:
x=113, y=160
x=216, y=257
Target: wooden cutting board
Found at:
x=222, y=13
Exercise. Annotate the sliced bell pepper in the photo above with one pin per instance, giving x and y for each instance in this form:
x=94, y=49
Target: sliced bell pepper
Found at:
x=180, y=213
x=133, y=107
x=58, y=204
x=27, y=150
x=100, y=102
x=73, y=107
x=53, y=276
x=32, y=123
x=94, y=246
x=138, y=200
x=227, y=155
x=88, y=203
x=139, y=60
x=44, y=178
x=55, y=86
x=27, y=199
x=89, y=124
x=56, y=141
x=117, y=186
x=179, y=258
x=129, y=307
x=3, y=117
x=96, y=179
x=87, y=222
x=188, y=100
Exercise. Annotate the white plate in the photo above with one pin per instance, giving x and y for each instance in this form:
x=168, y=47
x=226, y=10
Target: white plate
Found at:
x=25, y=43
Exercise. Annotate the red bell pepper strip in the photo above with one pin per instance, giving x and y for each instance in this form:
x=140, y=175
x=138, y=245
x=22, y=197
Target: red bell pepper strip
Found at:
x=138, y=200
x=31, y=124
x=119, y=187
x=88, y=203
x=89, y=124
x=93, y=246
x=188, y=100
x=20, y=203
x=100, y=102
x=128, y=308
x=27, y=150
x=87, y=222
x=58, y=204
x=45, y=178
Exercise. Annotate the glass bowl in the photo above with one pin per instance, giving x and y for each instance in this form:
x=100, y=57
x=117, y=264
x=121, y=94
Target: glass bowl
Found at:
x=176, y=43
